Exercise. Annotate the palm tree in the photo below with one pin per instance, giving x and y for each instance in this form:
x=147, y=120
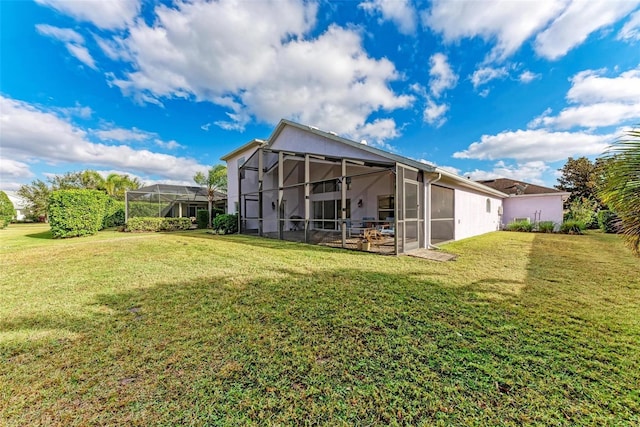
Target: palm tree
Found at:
x=621, y=186
x=116, y=185
x=214, y=180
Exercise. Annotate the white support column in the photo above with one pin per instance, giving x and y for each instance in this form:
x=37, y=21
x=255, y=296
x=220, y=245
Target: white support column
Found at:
x=279, y=213
x=343, y=204
x=260, y=198
x=307, y=202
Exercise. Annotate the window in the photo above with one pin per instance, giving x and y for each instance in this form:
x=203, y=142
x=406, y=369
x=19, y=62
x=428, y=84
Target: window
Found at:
x=488, y=205
x=386, y=207
x=240, y=161
x=325, y=186
x=327, y=213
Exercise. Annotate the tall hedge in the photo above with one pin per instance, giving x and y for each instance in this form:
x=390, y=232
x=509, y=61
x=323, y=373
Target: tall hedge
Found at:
x=113, y=213
x=75, y=213
x=7, y=212
x=226, y=223
x=202, y=218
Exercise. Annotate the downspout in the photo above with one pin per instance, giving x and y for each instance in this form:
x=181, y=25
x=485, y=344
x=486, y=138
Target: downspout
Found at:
x=428, y=204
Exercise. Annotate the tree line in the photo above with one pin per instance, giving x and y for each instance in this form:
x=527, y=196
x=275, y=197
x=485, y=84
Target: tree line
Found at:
x=37, y=194
x=609, y=184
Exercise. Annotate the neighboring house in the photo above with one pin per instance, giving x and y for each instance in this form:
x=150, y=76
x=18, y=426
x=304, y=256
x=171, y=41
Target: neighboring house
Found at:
x=174, y=201
x=308, y=185
x=529, y=201
x=19, y=204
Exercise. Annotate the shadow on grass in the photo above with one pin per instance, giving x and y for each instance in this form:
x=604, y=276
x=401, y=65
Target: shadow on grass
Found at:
x=47, y=235
x=266, y=242
x=336, y=346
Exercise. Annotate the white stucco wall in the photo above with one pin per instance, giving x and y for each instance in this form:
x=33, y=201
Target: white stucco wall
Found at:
x=297, y=140
x=232, y=178
x=548, y=208
x=471, y=216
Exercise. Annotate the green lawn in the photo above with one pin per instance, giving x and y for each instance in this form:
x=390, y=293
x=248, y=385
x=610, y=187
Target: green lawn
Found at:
x=194, y=329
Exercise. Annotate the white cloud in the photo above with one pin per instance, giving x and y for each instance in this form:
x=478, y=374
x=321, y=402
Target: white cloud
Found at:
x=532, y=172
x=597, y=115
x=377, y=131
x=400, y=12
x=577, y=21
x=114, y=48
x=557, y=25
x=434, y=113
x=509, y=23
x=12, y=170
x=82, y=54
x=442, y=76
x=65, y=35
x=73, y=41
x=589, y=87
x=484, y=75
x=111, y=14
x=169, y=145
x=123, y=135
x=631, y=30
x=536, y=145
x=528, y=76
x=259, y=62
x=77, y=111
x=31, y=133
x=600, y=101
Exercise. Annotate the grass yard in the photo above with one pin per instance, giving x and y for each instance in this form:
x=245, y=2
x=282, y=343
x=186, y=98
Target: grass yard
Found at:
x=194, y=329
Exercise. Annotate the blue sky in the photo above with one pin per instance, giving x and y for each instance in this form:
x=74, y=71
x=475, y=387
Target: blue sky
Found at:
x=161, y=89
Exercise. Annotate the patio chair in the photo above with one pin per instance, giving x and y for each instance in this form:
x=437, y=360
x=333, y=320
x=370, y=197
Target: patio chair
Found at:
x=358, y=229
x=389, y=227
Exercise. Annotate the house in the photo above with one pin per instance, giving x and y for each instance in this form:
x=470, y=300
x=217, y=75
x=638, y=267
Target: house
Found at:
x=19, y=204
x=174, y=201
x=529, y=202
x=307, y=185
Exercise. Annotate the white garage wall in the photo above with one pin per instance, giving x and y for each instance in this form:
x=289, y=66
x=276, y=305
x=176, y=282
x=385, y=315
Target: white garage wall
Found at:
x=471, y=216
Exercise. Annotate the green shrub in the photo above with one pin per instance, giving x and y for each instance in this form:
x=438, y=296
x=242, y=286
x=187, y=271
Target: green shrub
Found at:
x=202, y=218
x=572, y=227
x=519, y=226
x=7, y=212
x=584, y=211
x=226, y=223
x=113, y=213
x=74, y=213
x=546, y=226
x=143, y=209
x=216, y=211
x=608, y=221
x=175, y=224
x=158, y=224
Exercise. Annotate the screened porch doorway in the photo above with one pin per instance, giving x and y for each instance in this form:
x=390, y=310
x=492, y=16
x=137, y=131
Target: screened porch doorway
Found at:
x=411, y=239
x=442, y=214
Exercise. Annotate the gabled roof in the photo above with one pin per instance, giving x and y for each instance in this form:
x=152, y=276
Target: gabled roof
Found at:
x=385, y=154
x=251, y=144
x=518, y=188
x=17, y=201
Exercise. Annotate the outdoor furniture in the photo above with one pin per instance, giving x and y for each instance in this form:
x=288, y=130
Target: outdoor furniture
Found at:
x=296, y=222
x=372, y=235
x=388, y=228
x=358, y=230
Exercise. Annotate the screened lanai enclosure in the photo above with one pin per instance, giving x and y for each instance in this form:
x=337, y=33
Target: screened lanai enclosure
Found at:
x=174, y=201
x=337, y=202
